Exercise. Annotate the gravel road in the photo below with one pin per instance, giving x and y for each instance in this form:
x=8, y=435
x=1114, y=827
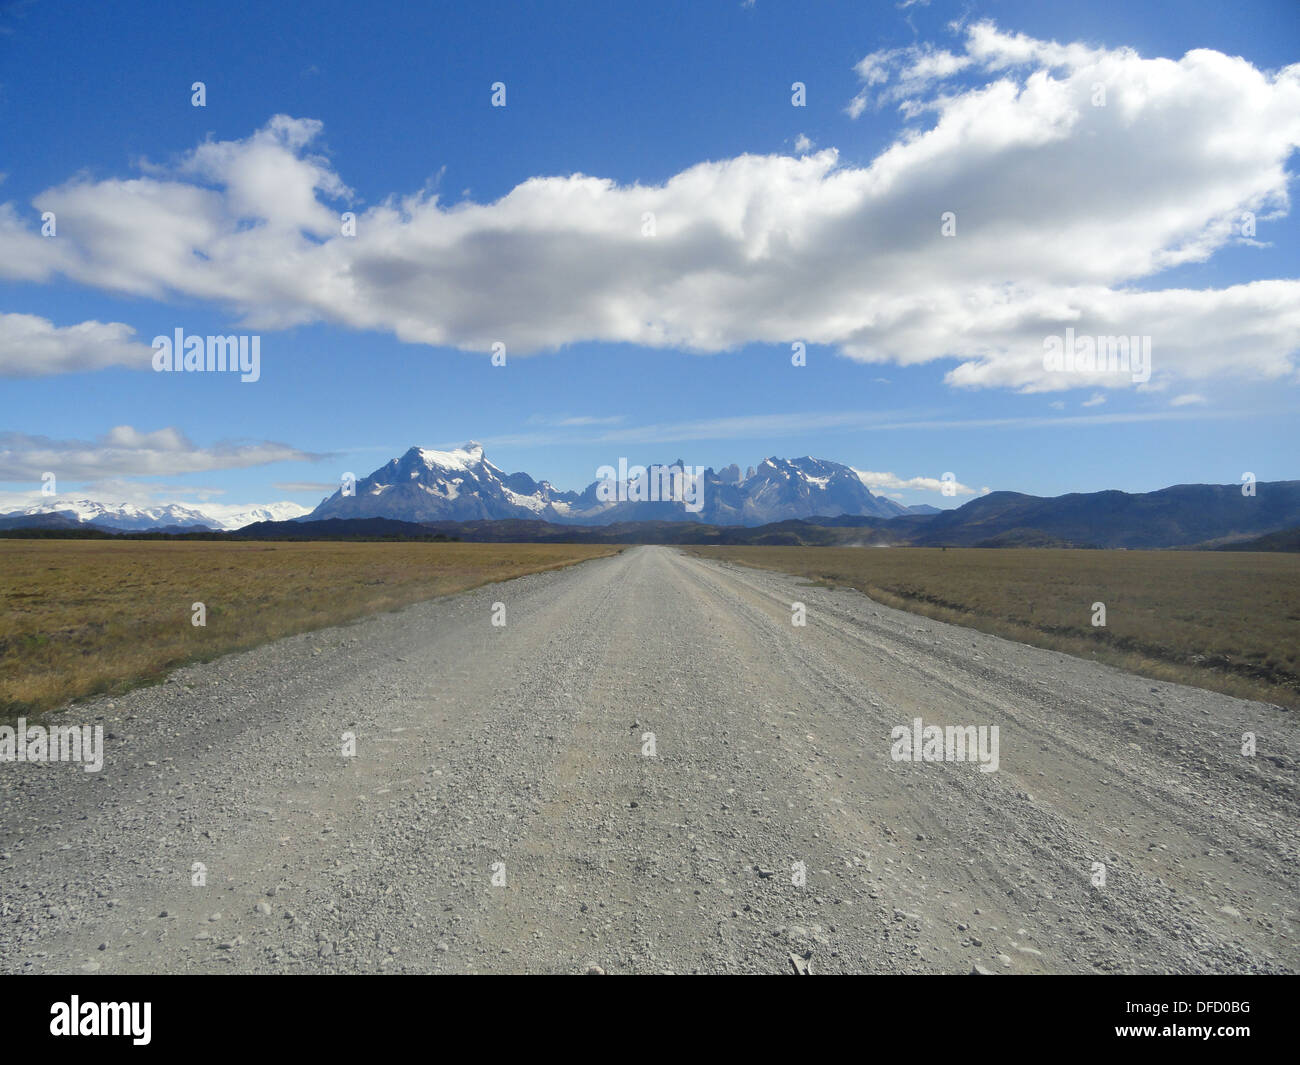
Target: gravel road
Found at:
x=502, y=812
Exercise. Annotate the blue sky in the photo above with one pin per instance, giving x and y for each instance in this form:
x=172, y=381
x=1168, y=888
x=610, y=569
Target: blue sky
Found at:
x=774, y=224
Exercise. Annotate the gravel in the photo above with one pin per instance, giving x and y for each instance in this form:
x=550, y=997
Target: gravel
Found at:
x=501, y=815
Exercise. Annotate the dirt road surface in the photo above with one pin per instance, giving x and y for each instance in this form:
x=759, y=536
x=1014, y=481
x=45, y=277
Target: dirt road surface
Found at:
x=504, y=810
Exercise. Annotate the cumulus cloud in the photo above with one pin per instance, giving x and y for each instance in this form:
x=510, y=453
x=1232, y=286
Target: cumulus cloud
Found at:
x=891, y=482
x=31, y=346
x=1065, y=215
x=125, y=451
x=28, y=256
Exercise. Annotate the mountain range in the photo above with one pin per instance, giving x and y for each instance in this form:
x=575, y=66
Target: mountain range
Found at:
x=463, y=485
x=126, y=517
x=460, y=494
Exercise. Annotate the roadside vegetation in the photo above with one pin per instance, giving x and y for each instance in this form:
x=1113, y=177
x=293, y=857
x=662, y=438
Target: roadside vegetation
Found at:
x=80, y=617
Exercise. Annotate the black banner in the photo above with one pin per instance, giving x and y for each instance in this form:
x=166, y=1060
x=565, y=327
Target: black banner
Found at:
x=152, y=1013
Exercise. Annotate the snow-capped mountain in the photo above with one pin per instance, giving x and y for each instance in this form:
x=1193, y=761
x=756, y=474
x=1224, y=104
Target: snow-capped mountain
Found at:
x=459, y=485
x=462, y=485
x=127, y=517
x=799, y=488
x=237, y=515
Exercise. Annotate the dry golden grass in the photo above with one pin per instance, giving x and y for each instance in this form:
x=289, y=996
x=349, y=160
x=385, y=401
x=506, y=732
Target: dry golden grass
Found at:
x=79, y=617
x=1227, y=621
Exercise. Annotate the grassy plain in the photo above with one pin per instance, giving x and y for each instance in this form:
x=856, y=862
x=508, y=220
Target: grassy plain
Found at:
x=1227, y=621
x=79, y=617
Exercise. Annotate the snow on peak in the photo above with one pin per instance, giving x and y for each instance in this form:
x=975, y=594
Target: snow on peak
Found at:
x=471, y=454
x=236, y=515
x=133, y=518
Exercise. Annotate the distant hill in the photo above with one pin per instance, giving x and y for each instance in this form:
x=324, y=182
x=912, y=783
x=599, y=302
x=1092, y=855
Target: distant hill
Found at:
x=1171, y=517
x=787, y=533
x=40, y=521
x=1284, y=540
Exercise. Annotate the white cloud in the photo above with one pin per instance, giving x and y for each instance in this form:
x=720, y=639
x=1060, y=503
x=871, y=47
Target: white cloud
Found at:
x=28, y=256
x=1188, y=399
x=803, y=143
x=31, y=346
x=892, y=482
x=127, y=452
x=914, y=69
x=1066, y=213
x=1096, y=400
